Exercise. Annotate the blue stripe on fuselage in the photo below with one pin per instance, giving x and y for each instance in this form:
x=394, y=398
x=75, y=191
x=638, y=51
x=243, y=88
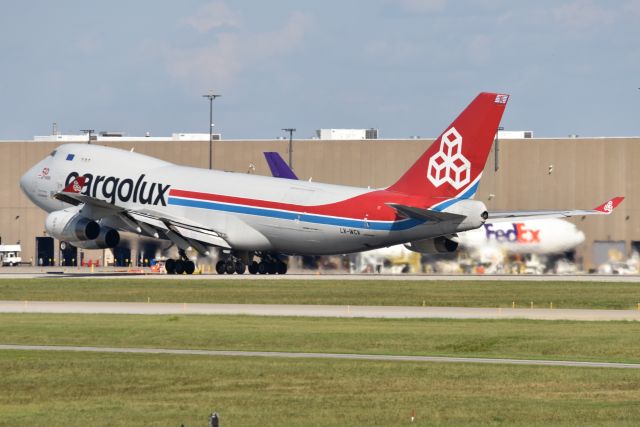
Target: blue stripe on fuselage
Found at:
x=404, y=224
x=466, y=195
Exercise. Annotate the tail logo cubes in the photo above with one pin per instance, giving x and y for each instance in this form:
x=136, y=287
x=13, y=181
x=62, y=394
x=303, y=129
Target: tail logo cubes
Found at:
x=448, y=164
x=608, y=207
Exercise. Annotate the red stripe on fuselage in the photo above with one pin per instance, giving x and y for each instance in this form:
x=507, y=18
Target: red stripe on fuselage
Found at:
x=370, y=205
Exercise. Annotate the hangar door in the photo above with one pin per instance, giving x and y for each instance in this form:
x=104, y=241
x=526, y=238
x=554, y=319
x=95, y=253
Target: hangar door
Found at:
x=44, y=251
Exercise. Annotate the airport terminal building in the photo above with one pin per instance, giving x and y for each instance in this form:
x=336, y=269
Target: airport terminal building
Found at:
x=524, y=173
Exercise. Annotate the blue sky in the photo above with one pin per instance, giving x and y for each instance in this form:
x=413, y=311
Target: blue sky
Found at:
x=406, y=67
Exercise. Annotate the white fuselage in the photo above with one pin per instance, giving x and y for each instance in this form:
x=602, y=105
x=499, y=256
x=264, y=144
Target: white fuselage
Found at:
x=250, y=212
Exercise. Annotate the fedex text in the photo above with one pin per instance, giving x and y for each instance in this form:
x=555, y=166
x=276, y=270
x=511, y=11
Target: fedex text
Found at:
x=518, y=233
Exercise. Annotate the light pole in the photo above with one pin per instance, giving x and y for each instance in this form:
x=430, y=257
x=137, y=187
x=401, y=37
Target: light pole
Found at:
x=496, y=151
x=291, y=131
x=211, y=97
x=88, y=132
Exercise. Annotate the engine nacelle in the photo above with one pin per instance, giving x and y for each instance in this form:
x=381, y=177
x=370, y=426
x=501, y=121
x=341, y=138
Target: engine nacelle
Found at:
x=69, y=225
x=438, y=245
x=108, y=238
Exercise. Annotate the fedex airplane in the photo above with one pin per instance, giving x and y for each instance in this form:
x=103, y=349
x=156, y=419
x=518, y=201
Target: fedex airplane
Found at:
x=92, y=193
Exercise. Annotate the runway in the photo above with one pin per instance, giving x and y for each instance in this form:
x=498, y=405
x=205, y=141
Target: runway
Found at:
x=145, y=274
x=370, y=357
x=341, y=311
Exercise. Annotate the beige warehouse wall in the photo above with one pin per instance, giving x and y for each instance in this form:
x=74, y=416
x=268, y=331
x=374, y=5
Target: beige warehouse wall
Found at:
x=585, y=173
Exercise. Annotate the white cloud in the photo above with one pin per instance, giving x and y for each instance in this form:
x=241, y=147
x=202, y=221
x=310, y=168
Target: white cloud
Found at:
x=213, y=15
x=221, y=60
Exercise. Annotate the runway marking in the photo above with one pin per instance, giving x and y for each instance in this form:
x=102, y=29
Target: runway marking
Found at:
x=301, y=310
x=341, y=356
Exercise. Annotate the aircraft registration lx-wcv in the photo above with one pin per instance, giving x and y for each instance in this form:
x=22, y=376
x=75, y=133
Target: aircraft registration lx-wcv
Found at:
x=93, y=192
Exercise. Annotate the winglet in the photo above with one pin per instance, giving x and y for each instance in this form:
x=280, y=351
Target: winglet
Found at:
x=75, y=186
x=608, y=206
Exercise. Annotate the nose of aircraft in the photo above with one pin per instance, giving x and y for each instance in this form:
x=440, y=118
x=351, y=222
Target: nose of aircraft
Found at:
x=28, y=181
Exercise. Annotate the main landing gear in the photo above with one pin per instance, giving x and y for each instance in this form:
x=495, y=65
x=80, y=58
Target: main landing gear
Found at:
x=180, y=266
x=269, y=264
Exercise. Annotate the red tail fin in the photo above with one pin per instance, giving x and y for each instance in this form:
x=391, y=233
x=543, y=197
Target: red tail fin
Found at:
x=452, y=165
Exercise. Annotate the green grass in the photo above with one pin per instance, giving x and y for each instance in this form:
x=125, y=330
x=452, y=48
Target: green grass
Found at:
x=590, y=295
x=86, y=389
x=524, y=339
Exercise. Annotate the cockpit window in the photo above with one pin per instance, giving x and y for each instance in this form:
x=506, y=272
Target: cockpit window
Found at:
x=53, y=153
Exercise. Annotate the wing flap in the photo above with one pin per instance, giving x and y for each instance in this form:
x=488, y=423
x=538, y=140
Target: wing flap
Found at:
x=188, y=232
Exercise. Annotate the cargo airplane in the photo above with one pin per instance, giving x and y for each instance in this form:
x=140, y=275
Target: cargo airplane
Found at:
x=92, y=193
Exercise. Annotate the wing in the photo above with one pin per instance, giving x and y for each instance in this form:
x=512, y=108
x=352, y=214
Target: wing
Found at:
x=604, y=209
x=181, y=231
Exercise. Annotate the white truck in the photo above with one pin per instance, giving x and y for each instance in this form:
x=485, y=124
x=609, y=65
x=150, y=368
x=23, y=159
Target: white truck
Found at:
x=10, y=255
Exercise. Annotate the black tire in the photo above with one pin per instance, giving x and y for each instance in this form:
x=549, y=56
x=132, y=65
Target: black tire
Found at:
x=263, y=267
x=272, y=267
x=220, y=267
x=229, y=267
x=170, y=266
x=180, y=267
x=189, y=267
x=253, y=267
x=240, y=267
x=281, y=268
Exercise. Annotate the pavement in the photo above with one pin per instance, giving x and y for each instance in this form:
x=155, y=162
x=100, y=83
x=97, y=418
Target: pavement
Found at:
x=339, y=311
x=145, y=273
x=342, y=356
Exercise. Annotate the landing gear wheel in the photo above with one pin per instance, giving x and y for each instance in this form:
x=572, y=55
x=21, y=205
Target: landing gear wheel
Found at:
x=263, y=267
x=170, y=266
x=180, y=267
x=272, y=267
x=189, y=267
x=220, y=267
x=253, y=267
x=229, y=267
x=240, y=267
x=281, y=267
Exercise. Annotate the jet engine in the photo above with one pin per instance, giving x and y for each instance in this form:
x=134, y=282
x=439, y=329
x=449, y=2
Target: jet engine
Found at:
x=69, y=225
x=436, y=245
x=108, y=238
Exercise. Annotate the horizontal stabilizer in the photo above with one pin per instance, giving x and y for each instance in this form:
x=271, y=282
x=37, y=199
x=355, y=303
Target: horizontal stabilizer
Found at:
x=425, y=214
x=604, y=209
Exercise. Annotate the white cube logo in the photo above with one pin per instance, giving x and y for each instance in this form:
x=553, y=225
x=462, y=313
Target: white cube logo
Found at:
x=448, y=164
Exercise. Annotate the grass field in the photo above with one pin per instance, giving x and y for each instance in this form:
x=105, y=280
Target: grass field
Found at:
x=403, y=293
x=80, y=389
x=77, y=389
x=524, y=339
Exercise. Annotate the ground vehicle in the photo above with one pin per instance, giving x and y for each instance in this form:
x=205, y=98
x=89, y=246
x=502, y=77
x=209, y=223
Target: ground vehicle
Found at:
x=10, y=255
